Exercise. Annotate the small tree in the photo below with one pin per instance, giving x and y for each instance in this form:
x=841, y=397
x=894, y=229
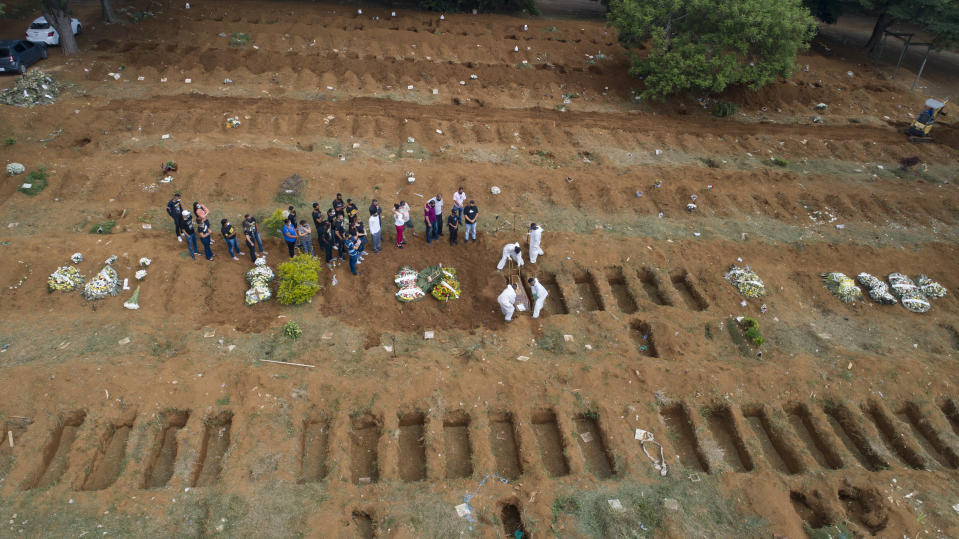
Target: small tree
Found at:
x=58, y=15
x=299, y=279
x=938, y=18
x=711, y=44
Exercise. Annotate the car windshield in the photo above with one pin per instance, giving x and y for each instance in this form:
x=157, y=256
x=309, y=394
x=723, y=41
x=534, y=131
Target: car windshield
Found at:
x=40, y=26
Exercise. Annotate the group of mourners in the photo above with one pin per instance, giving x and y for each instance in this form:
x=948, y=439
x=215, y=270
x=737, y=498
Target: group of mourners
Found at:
x=188, y=226
x=340, y=228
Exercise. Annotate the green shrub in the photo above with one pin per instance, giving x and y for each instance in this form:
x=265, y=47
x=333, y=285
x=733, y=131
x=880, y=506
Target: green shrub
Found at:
x=239, y=39
x=299, y=280
x=780, y=162
x=724, y=109
x=750, y=329
x=274, y=224
x=37, y=180
x=292, y=330
x=9, y=141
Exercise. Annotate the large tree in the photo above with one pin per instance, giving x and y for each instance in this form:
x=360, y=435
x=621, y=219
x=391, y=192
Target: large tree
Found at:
x=107, y=13
x=710, y=44
x=58, y=16
x=938, y=18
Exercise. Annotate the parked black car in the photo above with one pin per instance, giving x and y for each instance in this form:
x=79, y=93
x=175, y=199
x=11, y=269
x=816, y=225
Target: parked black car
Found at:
x=17, y=54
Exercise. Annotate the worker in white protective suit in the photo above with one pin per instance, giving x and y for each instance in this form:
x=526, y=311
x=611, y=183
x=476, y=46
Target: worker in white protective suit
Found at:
x=511, y=250
x=539, y=295
x=507, y=301
x=535, y=236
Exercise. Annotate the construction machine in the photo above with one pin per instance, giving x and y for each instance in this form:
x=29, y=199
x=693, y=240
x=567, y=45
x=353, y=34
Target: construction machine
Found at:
x=921, y=128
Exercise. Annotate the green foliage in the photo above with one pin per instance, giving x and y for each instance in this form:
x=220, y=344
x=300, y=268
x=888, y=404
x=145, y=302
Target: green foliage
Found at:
x=938, y=18
x=835, y=531
x=292, y=330
x=38, y=180
x=481, y=6
x=299, y=281
x=724, y=109
x=780, y=162
x=9, y=141
x=274, y=223
x=711, y=44
x=239, y=39
x=750, y=329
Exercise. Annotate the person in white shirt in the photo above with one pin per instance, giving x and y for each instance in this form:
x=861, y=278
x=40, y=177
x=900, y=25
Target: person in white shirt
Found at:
x=507, y=301
x=400, y=223
x=459, y=201
x=376, y=234
x=539, y=295
x=511, y=250
x=407, y=222
x=438, y=224
x=535, y=236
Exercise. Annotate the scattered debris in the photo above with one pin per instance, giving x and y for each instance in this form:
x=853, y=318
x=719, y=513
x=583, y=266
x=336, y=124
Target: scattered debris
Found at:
x=33, y=88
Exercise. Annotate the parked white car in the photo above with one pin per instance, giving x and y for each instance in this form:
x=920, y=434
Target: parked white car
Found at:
x=41, y=31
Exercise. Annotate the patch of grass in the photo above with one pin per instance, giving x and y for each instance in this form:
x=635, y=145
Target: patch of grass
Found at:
x=291, y=190
x=239, y=39
x=702, y=512
x=223, y=401
x=833, y=531
x=37, y=180
x=9, y=141
x=103, y=228
x=779, y=162
x=750, y=329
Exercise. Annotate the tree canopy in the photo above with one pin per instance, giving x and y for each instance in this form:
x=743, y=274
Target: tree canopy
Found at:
x=711, y=44
x=938, y=18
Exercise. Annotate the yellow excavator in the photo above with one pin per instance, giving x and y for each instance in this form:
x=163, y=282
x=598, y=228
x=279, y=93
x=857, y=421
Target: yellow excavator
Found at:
x=921, y=128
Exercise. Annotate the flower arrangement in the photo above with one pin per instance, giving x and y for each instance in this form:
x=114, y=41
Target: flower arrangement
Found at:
x=232, y=122
x=77, y=258
x=103, y=284
x=746, y=281
x=447, y=289
x=134, y=302
x=410, y=177
x=406, y=280
x=901, y=284
x=65, y=279
x=930, y=288
x=110, y=261
x=140, y=274
x=259, y=278
x=15, y=168
x=842, y=287
x=915, y=300
x=145, y=262
x=169, y=166
x=878, y=289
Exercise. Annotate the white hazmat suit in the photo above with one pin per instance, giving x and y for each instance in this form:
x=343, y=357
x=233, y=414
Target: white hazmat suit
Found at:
x=507, y=302
x=509, y=251
x=535, y=236
x=539, y=296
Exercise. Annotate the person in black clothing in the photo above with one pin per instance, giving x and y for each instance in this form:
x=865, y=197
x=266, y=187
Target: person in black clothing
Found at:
x=360, y=233
x=338, y=204
x=186, y=229
x=250, y=241
x=175, y=209
x=229, y=236
x=325, y=236
x=352, y=212
x=469, y=216
x=339, y=236
x=292, y=217
x=249, y=222
x=452, y=223
x=317, y=215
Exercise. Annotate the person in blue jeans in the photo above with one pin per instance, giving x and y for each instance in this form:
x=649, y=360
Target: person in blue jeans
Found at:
x=229, y=236
x=186, y=228
x=249, y=223
x=206, y=238
x=429, y=218
x=289, y=236
x=352, y=244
